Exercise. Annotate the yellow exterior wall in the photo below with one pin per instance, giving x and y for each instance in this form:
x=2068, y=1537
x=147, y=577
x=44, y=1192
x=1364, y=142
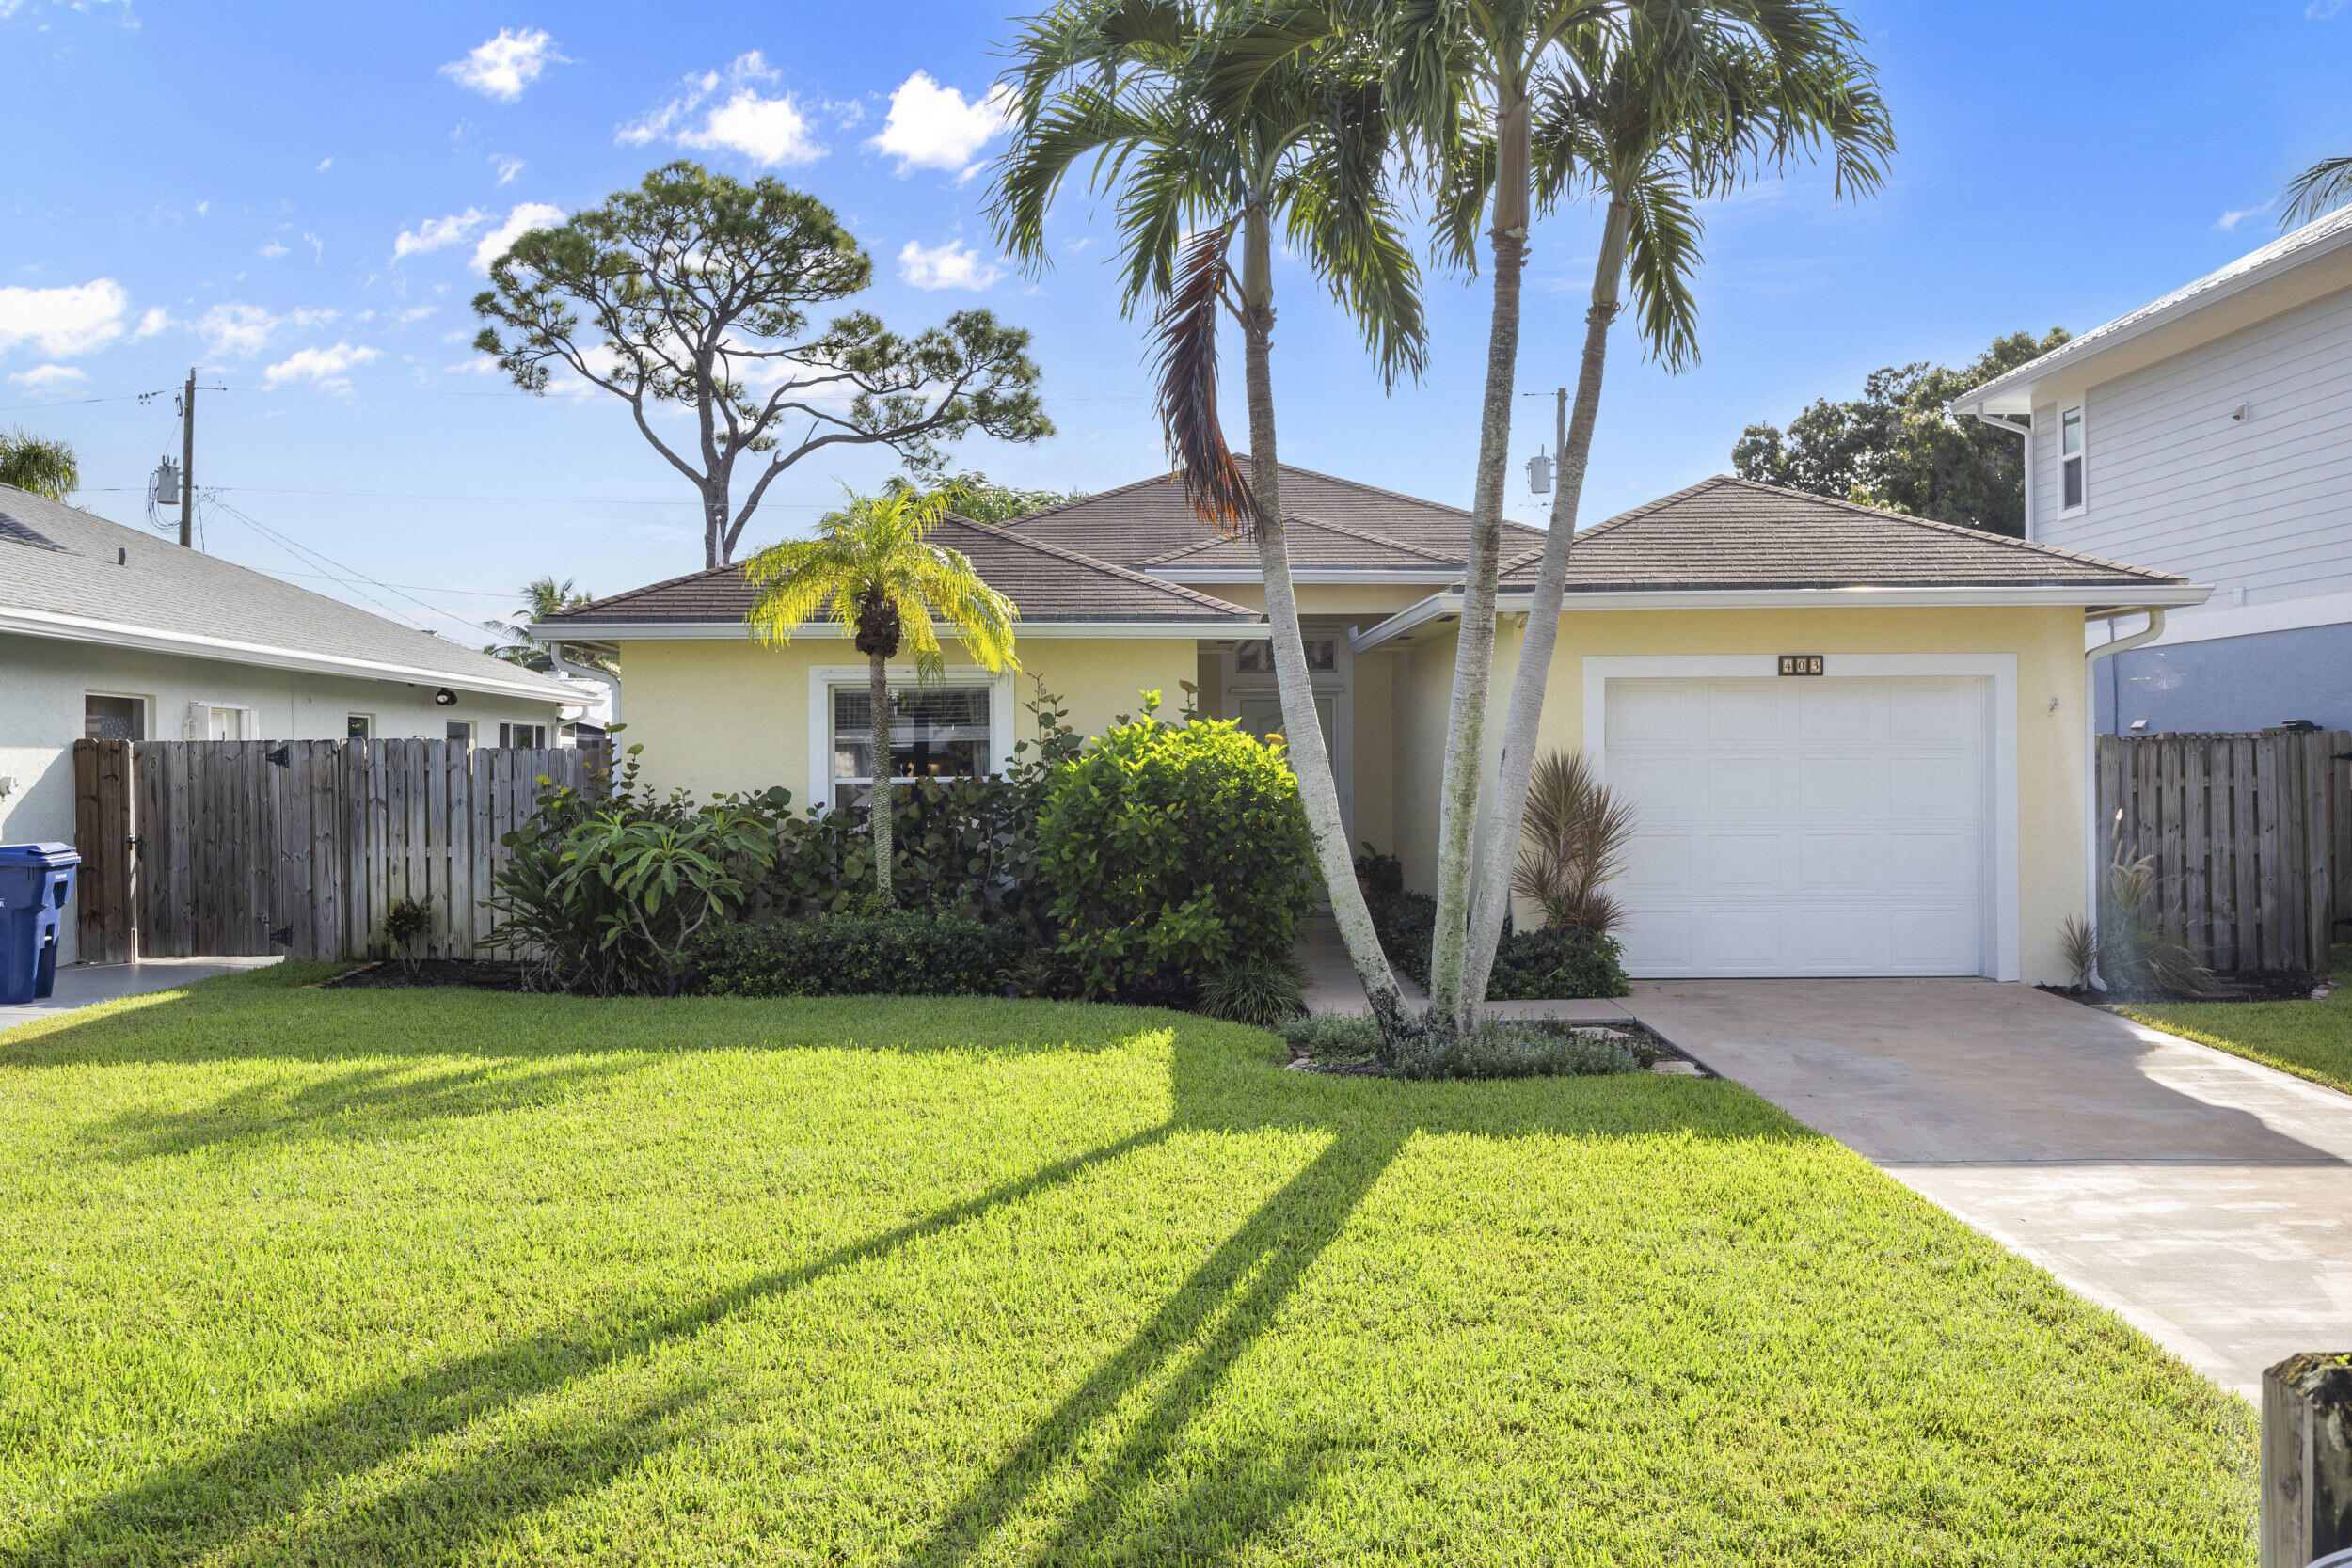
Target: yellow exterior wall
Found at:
x=2050, y=745
x=727, y=715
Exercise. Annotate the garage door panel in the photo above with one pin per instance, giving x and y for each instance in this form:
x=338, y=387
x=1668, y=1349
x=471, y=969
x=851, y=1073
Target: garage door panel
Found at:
x=1831, y=826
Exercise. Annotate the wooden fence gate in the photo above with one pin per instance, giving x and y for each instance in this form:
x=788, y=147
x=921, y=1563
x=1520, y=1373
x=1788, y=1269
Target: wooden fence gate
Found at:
x=299, y=847
x=2251, y=836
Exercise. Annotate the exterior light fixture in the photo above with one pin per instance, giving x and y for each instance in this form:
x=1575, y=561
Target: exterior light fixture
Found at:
x=445, y=698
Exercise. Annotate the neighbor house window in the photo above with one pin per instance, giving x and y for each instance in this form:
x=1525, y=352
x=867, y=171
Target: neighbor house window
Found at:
x=105, y=718
x=2071, y=460
x=220, y=721
x=359, y=726
x=936, y=732
x=458, y=730
x=1257, y=658
x=522, y=734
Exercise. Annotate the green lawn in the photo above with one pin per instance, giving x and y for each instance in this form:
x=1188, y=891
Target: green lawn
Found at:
x=2311, y=1039
x=361, y=1276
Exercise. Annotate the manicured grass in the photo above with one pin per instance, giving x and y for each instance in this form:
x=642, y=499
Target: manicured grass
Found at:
x=2311, y=1039
x=363, y=1276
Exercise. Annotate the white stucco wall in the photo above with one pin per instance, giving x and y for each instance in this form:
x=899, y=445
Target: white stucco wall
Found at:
x=42, y=684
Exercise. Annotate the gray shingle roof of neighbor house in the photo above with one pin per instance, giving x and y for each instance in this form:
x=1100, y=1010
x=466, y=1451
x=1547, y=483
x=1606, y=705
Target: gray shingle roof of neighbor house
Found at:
x=67, y=574
x=1734, y=533
x=1047, y=582
x=1314, y=543
x=1141, y=524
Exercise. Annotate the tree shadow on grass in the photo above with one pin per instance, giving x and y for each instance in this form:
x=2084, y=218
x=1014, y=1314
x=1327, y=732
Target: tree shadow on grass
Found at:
x=237, y=1496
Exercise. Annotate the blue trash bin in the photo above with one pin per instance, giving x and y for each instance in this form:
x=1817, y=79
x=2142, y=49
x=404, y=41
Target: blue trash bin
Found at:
x=35, y=881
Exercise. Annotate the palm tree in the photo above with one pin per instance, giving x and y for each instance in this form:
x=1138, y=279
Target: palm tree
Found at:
x=1649, y=117
x=2321, y=188
x=36, y=463
x=874, y=572
x=542, y=597
x=1209, y=159
x=1466, y=78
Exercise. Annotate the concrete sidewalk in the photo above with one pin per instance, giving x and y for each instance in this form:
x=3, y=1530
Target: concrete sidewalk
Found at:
x=82, y=984
x=2205, y=1199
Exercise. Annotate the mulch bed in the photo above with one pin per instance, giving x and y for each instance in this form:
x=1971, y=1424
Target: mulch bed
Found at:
x=478, y=974
x=2246, y=984
x=1656, y=1052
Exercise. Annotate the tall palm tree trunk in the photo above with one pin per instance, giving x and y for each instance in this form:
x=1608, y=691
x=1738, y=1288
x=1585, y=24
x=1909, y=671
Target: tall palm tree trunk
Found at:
x=878, y=700
x=1508, y=812
x=1474, y=655
x=1310, y=758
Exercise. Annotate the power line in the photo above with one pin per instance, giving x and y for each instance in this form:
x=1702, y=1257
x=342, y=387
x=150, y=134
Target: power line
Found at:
x=349, y=577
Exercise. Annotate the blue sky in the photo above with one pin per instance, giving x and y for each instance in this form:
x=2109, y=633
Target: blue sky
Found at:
x=293, y=197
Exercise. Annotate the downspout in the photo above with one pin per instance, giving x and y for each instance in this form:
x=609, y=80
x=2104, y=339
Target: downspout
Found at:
x=606, y=678
x=2092, y=827
x=2000, y=422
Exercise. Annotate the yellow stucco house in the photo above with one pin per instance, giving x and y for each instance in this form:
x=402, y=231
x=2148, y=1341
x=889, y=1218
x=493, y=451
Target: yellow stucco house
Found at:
x=1855, y=741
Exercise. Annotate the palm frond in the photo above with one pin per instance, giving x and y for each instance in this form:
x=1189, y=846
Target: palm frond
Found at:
x=1214, y=484
x=2318, y=190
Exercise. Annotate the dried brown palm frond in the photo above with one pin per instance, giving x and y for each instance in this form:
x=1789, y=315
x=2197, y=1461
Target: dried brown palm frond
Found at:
x=1574, y=843
x=1214, y=482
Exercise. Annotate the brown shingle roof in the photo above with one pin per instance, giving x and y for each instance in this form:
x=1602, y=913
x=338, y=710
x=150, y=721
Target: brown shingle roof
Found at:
x=1734, y=533
x=1048, y=583
x=1147, y=520
x=1313, y=543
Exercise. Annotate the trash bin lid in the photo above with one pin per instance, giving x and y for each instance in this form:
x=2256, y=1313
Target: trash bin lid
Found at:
x=39, y=854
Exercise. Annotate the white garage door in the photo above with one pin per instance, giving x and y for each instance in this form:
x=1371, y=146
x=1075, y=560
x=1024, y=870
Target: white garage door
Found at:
x=1803, y=826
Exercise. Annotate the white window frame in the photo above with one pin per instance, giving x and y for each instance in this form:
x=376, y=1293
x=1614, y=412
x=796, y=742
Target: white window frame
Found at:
x=823, y=678
x=366, y=719
x=2080, y=455
x=199, y=721
x=1337, y=683
x=1999, y=673
x=146, y=709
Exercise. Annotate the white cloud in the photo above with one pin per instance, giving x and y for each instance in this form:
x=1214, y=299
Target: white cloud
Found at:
x=501, y=67
x=434, y=234
x=322, y=366
x=240, y=331
x=326, y=163
x=63, y=322
x=530, y=216
x=203, y=208
x=272, y=251
x=2320, y=11
x=768, y=130
x=41, y=377
x=415, y=314
x=155, y=321
x=508, y=168
x=318, y=248
x=2230, y=220
x=947, y=266
x=934, y=127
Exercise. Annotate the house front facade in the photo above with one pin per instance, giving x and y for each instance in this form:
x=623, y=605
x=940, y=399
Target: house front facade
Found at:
x=1854, y=741
x=2209, y=433
x=108, y=633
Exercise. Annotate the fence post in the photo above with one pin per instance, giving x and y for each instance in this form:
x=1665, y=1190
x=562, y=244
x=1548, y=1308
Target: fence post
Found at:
x=2307, y=1459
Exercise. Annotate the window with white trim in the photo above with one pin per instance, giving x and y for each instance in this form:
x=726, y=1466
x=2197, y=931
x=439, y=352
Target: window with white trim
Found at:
x=936, y=732
x=1251, y=658
x=358, y=726
x=2071, y=460
x=222, y=722
x=108, y=717
x=528, y=735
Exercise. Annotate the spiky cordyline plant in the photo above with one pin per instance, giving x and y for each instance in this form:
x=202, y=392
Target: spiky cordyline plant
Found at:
x=872, y=571
x=1207, y=158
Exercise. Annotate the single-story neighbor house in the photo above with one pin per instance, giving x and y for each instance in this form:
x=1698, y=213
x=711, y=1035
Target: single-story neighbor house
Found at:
x=2210, y=432
x=1856, y=740
x=110, y=633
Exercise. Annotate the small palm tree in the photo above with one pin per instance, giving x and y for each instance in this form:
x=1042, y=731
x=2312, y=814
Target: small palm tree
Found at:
x=36, y=463
x=1214, y=133
x=873, y=571
x=2318, y=190
x=542, y=597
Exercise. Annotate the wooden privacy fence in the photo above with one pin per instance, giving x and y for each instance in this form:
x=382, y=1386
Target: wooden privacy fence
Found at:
x=299, y=847
x=2251, y=836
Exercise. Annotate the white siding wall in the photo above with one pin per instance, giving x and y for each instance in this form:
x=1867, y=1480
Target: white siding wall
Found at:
x=43, y=683
x=2173, y=483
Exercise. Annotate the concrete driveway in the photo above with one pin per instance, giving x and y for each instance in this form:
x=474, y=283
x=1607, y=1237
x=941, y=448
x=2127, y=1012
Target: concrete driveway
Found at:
x=2203, y=1198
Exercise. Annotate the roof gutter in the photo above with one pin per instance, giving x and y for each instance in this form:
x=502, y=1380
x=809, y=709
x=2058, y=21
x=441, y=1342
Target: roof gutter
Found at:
x=114, y=634
x=2003, y=422
x=2091, y=837
x=606, y=678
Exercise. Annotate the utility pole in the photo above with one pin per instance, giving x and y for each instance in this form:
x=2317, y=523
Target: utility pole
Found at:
x=187, y=463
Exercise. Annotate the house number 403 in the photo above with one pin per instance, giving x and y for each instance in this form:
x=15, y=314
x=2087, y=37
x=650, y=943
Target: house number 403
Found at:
x=1801, y=664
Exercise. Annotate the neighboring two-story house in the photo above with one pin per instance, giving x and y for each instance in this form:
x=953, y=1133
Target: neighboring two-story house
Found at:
x=2209, y=433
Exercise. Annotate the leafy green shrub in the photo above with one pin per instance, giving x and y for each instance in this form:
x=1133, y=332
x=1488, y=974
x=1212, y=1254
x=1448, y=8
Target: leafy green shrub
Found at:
x=1380, y=876
x=1500, y=1050
x=896, y=953
x=1255, y=991
x=1550, y=963
x=1173, y=850
x=605, y=889
x=405, y=920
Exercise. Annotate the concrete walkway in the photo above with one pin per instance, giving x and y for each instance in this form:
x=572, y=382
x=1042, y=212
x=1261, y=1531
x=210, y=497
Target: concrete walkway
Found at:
x=2205, y=1199
x=81, y=985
